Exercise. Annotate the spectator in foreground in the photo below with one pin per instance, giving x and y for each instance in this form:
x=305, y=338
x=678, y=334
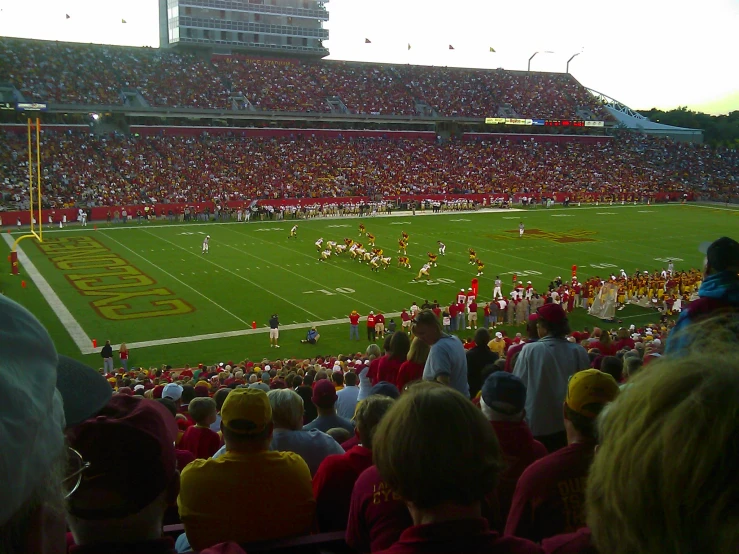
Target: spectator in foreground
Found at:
x=248, y=474
x=719, y=291
x=544, y=368
x=549, y=495
x=397, y=353
x=502, y=402
x=107, y=512
x=431, y=422
x=477, y=358
x=446, y=362
x=335, y=478
x=200, y=439
x=532, y=335
x=324, y=398
x=412, y=369
x=184, y=457
x=288, y=435
x=664, y=477
x=346, y=400
x=37, y=472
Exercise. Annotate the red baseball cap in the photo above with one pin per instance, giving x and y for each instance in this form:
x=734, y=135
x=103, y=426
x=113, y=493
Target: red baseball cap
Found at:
x=128, y=434
x=552, y=313
x=324, y=394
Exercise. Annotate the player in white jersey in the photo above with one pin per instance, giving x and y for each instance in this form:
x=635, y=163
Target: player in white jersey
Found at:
x=497, y=293
x=375, y=263
x=385, y=261
x=623, y=275
x=319, y=244
x=353, y=250
x=293, y=232
x=461, y=297
x=442, y=248
x=424, y=271
x=670, y=267
x=331, y=244
x=325, y=255
x=520, y=229
x=206, y=244
x=340, y=248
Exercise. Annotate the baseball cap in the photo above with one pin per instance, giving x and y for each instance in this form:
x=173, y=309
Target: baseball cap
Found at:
x=553, y=313
x=504, y=392
x=383, y=388
x=172, y=390
x=499, y=335
x=246, y=411
x=129, y=433
x=589, y=387
x=722, y=254
x=324, y=393
x=40, y=393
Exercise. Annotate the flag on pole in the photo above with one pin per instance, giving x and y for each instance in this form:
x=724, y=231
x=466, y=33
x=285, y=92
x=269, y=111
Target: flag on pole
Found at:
x=409, y=46
x=66, y=16
x=123, y=20
x=367, y=41
x=492, y=49
x=451, y=47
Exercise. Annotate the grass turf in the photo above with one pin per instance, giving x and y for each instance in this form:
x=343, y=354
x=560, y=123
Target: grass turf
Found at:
x=254, y=270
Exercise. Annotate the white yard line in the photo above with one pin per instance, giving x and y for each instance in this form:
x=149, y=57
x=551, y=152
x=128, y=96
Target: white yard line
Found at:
x=80, y=338
x=239, y=333
x=353, y=299
x=205, y=259
x=193, y=289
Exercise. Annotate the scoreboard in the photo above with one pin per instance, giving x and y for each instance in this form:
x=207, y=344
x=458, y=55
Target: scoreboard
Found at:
x=543, y=122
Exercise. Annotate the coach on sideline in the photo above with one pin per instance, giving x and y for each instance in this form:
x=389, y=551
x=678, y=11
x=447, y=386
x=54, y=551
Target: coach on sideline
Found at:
x=40, y=394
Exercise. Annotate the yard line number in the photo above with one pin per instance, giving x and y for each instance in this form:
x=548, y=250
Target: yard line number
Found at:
x=340, y=290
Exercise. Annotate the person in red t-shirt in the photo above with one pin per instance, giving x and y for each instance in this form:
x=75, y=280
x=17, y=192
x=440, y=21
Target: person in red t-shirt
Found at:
x=354, y=325
x=624, y=340
x=335, y=478
x=453, y=311
x=199, y=439
x=502, y=402
x=550, y=495
x=412, y=369
x=389, y=365
x=377, y=516
x=431, y=429
x=406, y=319
x=380, y=325
x=371, y=334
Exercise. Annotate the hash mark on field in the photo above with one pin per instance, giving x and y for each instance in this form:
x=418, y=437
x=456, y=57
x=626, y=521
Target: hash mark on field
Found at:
x=605, y=213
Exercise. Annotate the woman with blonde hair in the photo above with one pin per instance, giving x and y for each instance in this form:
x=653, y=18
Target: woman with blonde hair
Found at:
x=412, y=368
x=123, y=355
x=664, y=476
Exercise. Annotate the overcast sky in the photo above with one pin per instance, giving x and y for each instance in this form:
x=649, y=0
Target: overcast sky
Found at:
x=646, y=53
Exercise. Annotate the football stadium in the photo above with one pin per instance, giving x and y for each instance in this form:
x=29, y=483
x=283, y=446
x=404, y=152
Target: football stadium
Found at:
x=249, y=270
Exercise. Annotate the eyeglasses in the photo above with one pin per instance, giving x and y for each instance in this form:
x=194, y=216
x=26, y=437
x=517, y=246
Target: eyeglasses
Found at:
x=76, y=466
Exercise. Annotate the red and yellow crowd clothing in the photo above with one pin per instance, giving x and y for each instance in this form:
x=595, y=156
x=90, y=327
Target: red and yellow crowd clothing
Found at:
x=275, y=482
x=202, y=442
x=550, y=494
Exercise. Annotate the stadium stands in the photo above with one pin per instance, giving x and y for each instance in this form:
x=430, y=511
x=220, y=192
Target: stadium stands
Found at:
x=115, y=170
x=63, y=73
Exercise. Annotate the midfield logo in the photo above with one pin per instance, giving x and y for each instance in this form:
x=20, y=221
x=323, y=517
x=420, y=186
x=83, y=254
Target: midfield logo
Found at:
x=574, y=235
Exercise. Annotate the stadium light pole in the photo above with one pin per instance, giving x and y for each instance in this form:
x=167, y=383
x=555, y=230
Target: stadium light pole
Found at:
x=534, y=54
x=531, y=58
x=572, y=58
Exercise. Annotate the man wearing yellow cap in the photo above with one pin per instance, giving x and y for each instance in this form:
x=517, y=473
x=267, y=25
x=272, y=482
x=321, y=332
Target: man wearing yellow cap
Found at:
x=550, y=494
x=214, y=492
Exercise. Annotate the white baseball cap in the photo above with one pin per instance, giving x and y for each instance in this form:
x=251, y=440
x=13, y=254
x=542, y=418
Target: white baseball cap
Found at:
x=40, y=393
x=172, y=390
x=499, y=335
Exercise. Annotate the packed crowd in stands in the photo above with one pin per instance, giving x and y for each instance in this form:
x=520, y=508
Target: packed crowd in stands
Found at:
x=560, y=442
x=67, y=73
x=114, y=170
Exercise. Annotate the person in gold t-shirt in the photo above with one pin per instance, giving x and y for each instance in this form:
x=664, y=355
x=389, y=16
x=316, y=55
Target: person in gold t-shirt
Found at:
x=214, y=493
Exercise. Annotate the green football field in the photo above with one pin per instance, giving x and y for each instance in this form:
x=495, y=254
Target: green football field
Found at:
x=151, y=287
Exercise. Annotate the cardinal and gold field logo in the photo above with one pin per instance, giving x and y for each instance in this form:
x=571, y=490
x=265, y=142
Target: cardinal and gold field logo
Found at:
x=564, y=237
